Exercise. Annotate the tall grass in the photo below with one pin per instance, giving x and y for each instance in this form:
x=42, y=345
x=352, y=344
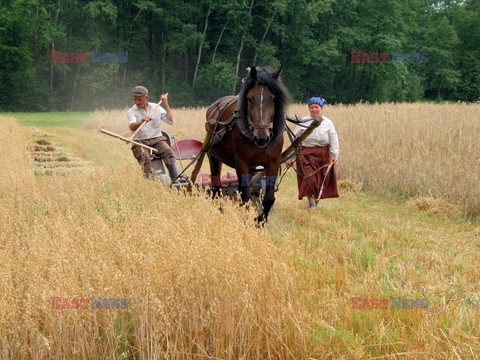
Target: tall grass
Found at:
x=203, y=282
x=412, y=149
x=404, y=149
x=198, y=281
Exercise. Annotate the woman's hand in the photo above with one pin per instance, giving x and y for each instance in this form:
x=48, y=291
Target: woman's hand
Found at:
x=333, y=160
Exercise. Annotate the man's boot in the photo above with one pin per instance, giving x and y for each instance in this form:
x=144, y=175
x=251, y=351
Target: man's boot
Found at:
x=172, y=171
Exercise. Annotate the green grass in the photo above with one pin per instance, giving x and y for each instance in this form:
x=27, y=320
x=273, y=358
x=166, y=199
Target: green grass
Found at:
x=69, y=120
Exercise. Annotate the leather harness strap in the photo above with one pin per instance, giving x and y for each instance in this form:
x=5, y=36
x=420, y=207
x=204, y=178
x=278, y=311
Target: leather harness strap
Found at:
x=212, y=124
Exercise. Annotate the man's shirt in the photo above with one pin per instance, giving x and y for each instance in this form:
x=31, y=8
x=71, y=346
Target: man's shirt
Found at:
x=324, y=134
x=152, y=128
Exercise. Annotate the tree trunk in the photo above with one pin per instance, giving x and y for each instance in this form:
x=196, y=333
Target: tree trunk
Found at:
x=36, y=34
x=53, y=49
x=201, y=45
x=124, y=75
x=150, y=38
x=239, y=54
x=51, y=68
x=186, y=66
x=219, y=39
x=75, y=86
x=261, y=41
x=164, y=59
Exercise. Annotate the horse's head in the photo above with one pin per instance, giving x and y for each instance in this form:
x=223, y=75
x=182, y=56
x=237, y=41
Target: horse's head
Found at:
x=263, y=96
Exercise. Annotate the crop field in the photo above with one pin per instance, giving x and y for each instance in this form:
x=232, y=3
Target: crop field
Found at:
x=98, y=262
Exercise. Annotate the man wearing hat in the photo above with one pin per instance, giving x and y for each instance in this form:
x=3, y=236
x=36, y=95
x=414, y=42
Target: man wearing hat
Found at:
x=150, y=133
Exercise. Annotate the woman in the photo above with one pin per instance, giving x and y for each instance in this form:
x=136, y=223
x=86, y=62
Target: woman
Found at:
x=316, y=173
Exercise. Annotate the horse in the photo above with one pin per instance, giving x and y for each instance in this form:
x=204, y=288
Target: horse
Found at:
x=249, y=129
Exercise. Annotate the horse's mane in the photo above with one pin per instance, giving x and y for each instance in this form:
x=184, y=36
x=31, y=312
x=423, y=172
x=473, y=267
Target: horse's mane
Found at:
x=264, y=77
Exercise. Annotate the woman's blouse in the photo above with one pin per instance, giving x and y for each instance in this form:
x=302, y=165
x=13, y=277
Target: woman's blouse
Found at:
x=324, y=134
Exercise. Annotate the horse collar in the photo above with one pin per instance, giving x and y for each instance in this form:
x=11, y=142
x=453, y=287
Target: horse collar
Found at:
x=242, y=126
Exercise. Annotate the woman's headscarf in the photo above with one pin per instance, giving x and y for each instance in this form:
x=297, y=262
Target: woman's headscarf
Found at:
x=317, y=100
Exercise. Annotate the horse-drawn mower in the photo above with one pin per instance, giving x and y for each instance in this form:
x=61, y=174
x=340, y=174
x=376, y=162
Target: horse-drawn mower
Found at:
x=191, y=151
x=245, y=132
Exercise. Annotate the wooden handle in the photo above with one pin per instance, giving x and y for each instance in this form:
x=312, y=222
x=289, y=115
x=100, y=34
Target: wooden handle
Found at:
x=196, y=170
x=127, y=140
x=286, y=153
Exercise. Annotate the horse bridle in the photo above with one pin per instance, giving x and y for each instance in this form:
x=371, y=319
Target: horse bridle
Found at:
x=253, y=126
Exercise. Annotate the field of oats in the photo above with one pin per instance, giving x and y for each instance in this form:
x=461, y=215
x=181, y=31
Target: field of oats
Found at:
x=78, y=221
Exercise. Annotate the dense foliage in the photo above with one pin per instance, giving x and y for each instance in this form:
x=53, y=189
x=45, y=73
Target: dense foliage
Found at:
x=198, y=50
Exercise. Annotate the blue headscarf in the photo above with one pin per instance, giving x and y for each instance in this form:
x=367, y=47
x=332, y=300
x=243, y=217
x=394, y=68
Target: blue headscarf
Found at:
x=317, y=100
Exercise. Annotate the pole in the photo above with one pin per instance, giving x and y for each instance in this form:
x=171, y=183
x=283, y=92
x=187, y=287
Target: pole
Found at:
x=203, y=151
x=286, y=153
x=127, y=140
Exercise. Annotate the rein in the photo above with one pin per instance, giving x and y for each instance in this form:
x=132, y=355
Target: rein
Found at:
x=298, y=121
x=323, y=182
x=306, y=176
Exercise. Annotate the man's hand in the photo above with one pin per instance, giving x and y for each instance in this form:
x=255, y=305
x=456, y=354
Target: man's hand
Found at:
x=164, y=98
x=146, y=119
x=289, y=163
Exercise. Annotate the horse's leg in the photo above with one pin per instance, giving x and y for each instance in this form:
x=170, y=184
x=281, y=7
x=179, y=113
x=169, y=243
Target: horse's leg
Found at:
x=269, y=198
x=215, y=171
x=243, y=175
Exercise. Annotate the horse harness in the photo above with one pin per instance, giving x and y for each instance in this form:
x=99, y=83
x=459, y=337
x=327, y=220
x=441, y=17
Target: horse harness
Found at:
x=234, y=119
x=212, y=124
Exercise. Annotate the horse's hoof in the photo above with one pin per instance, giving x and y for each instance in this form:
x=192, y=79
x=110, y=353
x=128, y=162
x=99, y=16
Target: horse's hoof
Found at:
x=261, y=221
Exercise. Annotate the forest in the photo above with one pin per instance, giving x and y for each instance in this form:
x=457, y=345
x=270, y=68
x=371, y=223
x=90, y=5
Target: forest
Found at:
x=79, y=55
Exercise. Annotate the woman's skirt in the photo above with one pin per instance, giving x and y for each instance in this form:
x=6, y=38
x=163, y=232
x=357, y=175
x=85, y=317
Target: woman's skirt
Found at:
x=312, y=173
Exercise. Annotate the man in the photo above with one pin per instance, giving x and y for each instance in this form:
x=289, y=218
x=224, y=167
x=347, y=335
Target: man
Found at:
x=150, y=134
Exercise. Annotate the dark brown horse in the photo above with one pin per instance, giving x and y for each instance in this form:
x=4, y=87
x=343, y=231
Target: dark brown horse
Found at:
x=253, y=124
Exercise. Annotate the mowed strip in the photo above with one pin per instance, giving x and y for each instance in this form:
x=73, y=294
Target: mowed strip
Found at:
x=52, y=157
